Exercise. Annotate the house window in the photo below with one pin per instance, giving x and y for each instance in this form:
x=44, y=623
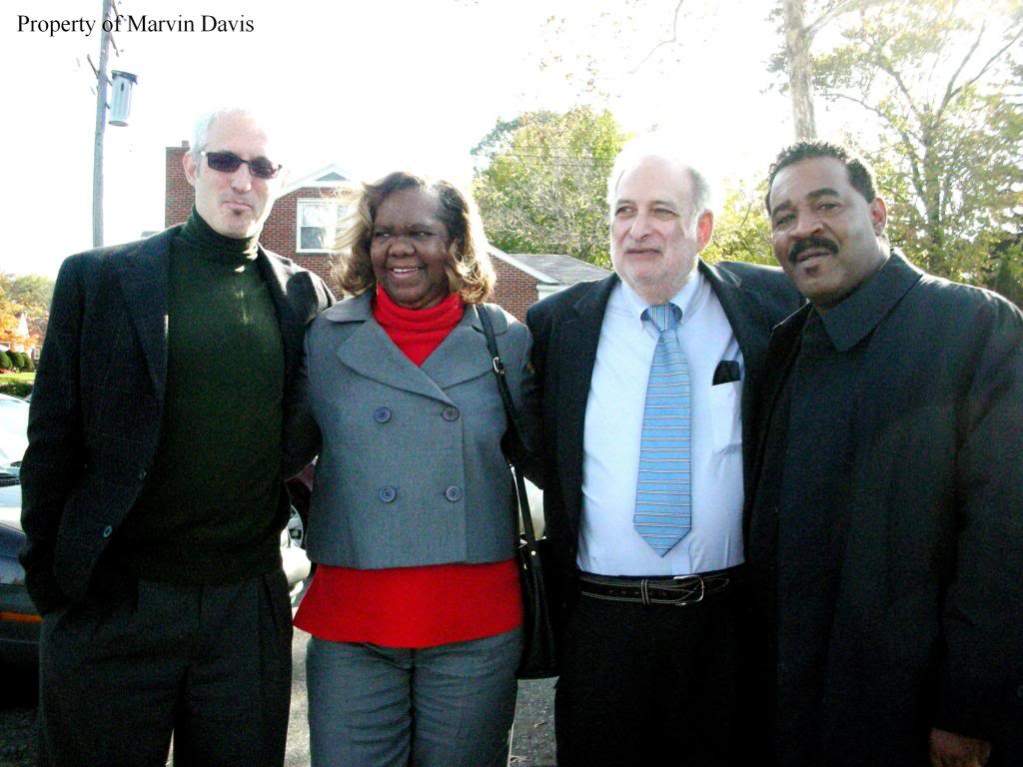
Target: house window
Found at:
x=317, y=225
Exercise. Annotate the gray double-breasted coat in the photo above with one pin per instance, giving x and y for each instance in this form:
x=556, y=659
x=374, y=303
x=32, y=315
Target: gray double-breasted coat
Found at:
x=411, y=470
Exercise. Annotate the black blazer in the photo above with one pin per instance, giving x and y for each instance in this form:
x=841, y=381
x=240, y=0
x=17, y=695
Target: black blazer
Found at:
x=98, y=398
x=566, y=329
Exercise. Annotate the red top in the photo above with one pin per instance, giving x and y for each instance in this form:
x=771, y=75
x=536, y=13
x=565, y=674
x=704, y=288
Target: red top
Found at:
x=413, y=607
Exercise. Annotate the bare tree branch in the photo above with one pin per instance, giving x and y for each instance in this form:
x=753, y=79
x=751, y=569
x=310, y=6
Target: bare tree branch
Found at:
x=837, y=9
x=673, y=40
x=888, y=68
x=952, y=93
x=950, y=89
x=886, y=118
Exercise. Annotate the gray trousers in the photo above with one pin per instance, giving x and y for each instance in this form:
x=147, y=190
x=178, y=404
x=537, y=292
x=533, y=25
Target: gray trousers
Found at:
x=211, y=664
x=445, y=706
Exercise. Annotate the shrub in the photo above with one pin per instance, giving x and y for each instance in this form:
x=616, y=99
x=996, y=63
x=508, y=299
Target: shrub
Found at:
x=6, y=363
x=16, y=388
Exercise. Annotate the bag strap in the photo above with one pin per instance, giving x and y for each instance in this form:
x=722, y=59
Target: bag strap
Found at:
x=497, y=365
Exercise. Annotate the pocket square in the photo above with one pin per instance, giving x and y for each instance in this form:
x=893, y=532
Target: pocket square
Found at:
x=727, y=371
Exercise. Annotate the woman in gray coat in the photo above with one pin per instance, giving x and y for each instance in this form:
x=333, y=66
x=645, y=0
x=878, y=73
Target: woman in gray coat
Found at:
x=415, y=608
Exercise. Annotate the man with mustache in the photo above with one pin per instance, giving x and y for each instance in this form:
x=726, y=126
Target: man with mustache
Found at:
x=885, y=532
x=165, y=403
x=646, y=379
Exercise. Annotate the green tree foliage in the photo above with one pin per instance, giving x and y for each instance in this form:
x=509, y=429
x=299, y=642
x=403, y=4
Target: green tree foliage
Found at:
x=28, y=294
x=742, y=231
x=541, y=182
x=943, y=81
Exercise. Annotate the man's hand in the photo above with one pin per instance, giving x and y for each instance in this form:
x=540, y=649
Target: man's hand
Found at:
x=951, y=750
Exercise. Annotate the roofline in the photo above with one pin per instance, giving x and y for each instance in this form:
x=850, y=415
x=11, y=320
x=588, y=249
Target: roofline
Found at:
x=309, y=180
x=531, y=271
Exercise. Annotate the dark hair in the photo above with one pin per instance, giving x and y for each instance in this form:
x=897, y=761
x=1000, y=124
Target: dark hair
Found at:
x=860, y=176
x=470, y=272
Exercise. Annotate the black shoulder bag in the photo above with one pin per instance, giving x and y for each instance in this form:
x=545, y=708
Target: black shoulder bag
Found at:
x=539, y=660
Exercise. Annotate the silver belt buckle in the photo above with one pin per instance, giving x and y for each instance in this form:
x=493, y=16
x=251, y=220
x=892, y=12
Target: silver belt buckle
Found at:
x=697, y=600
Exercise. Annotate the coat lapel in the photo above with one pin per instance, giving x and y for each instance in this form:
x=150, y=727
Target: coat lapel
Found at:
x=463, y=355
x=751, y=327
x=574, y=354
x=143, y=275
x=370, y=352
x=276, y=278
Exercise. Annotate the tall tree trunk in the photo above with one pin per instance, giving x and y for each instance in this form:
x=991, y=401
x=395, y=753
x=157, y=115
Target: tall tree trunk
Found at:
x=800, y=69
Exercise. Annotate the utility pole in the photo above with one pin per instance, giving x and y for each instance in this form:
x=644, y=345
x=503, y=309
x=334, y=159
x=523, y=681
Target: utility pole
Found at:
x=101, y=124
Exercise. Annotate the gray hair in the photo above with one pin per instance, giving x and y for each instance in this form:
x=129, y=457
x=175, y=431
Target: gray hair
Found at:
x=201, y=130
x=655, y=145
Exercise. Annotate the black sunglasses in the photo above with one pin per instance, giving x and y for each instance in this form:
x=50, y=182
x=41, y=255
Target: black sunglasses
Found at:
x=229, y=162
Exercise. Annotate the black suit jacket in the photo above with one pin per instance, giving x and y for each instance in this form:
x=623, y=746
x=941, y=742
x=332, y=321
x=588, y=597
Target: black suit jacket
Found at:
x=98, y=398
x=927, y=626
x=566, y=329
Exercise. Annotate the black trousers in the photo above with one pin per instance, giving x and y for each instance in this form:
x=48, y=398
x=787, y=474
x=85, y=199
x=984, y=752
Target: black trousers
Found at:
x=639, y=682
x=212, y=665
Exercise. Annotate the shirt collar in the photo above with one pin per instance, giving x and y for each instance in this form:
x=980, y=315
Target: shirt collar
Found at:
x=689, y=298
x=856, y=316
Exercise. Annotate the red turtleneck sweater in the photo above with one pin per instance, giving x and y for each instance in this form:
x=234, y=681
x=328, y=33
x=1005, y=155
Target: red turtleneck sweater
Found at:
x=413, y=607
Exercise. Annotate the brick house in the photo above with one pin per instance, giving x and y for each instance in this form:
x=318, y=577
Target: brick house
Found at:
x=301, y=224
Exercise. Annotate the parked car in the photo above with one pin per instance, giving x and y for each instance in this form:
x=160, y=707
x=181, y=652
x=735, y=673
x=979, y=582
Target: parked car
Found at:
x=19, y=621
x=13, y=437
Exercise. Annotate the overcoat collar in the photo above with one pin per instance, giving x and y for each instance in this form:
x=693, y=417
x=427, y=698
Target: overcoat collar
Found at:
x=369, y=351
x=856, y=316
x=848, y=328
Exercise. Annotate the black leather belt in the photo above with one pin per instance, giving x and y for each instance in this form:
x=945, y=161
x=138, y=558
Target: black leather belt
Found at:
x=680, y=591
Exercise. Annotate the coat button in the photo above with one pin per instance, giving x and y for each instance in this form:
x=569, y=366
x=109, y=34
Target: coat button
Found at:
x=108, y=531
x=451, y=414
x=453, y=493
x=382, y=414
x=387, y=494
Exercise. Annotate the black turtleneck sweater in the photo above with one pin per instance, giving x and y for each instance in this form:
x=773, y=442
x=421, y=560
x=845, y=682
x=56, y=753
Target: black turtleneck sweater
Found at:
x=208, y=512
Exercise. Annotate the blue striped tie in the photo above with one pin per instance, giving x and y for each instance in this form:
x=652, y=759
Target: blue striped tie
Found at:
x=663, y=513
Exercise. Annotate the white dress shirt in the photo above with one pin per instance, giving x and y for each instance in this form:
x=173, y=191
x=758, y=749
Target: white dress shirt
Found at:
x=608, y=542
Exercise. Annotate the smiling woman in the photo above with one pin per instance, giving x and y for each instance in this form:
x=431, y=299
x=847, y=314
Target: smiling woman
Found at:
x=411, y=523
x=409, y=248
x=425, y=218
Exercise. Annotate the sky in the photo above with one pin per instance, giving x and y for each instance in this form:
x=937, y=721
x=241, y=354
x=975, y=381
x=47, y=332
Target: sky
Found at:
x=373, y=86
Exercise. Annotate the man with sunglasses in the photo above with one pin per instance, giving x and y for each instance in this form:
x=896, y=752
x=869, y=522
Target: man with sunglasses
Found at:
x=164, y=415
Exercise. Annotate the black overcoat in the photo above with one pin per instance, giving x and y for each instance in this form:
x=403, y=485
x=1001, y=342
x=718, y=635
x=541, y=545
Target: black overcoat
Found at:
x=927, y=628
